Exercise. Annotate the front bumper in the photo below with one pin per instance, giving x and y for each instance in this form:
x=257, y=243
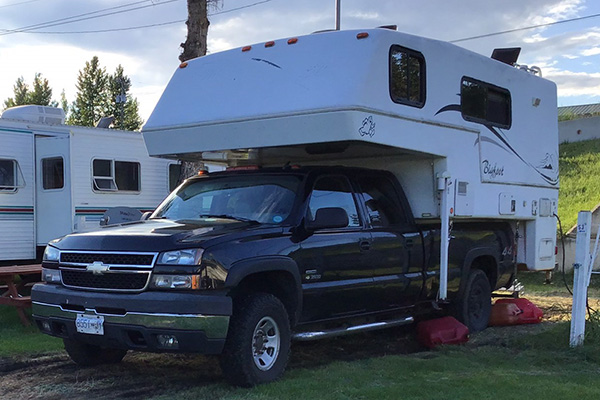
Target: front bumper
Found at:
x=135, y=321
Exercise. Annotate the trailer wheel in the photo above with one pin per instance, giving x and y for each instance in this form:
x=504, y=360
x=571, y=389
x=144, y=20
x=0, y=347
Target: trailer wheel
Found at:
x=474, y=305
x=258, y=342
x=88, y=355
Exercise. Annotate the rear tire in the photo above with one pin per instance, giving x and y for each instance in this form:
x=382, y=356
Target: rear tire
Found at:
x=474, y=305
x=258, y=342
x=89, y=355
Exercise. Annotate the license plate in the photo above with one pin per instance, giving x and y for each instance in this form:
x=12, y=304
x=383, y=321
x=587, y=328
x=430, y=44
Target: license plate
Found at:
x=90, y=324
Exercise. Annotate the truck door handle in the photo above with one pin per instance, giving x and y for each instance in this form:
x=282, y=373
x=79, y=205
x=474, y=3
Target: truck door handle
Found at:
x=409, y=243
x=365, y=245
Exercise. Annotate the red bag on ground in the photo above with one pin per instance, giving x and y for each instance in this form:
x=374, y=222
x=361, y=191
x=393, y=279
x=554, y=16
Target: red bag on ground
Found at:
x=446, y=330
x=530, y=313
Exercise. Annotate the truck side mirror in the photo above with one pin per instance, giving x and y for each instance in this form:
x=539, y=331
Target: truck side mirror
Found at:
x=329, y=217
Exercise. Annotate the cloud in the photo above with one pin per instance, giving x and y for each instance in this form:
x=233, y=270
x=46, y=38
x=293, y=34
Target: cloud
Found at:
x=594, y=51
x=150, y=55
x=574, y=83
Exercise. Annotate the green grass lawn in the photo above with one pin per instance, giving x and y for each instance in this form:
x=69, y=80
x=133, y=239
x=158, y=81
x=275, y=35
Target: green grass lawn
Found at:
x=534, y=283
x=16, y=339
x=579, y=165
x=539, y=366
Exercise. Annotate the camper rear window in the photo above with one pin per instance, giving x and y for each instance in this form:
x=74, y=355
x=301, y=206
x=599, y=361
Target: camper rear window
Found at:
x=8, y=175
x=407, y=76
x=53, y=173
x=485, y=103
x=116, y=176
x=174, y=174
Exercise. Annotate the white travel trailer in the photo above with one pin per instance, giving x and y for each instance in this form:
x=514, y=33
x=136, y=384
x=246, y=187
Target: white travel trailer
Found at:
x=469, y=137
x=56, y=178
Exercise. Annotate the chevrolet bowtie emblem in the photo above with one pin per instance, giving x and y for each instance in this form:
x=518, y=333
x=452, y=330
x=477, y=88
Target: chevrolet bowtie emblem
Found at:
x=97, y=268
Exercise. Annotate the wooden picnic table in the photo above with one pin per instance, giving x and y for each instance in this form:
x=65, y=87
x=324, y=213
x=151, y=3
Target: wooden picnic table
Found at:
x=11, y=296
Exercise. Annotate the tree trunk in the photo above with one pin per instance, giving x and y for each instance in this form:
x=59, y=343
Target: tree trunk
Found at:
x=194, y=46
x=197, y=24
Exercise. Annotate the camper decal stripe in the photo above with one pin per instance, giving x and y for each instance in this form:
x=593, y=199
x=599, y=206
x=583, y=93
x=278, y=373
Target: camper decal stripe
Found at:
x=16, y=210
x=547, y=164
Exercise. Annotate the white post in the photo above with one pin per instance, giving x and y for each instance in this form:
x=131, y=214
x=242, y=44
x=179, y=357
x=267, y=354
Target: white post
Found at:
x=580, y=268
x=444, y=188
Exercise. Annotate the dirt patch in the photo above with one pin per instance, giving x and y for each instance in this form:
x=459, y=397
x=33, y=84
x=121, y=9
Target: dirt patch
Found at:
x=143, y=375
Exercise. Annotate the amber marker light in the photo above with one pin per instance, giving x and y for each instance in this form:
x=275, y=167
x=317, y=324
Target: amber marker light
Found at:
x=183, y=65
x=246, y=48
x=270, y=44
x=196, y=282
x=292, y=40
x=362, y=35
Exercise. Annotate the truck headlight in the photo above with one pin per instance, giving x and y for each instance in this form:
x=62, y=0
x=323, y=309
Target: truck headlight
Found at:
x=175, y=282
x=50, y=275
x=51, y=254
x=181, y=257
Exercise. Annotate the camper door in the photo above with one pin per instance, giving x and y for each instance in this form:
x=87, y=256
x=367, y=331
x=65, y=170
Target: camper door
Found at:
x=54, y=214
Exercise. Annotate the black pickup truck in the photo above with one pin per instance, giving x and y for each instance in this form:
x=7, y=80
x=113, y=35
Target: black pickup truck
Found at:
x=241, y=262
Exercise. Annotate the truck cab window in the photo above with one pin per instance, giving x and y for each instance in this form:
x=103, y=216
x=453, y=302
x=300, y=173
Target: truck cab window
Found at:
x=381, y=201
x=53, y=173
x=334, y=191
x=407, y=76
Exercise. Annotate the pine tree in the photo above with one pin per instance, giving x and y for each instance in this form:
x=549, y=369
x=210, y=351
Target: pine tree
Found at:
x=92, y=100
x=122, y=106
x=100, y=94
x=23, y=95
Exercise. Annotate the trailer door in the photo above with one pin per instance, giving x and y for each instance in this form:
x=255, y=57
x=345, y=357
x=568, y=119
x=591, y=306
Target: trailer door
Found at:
x=54, y=214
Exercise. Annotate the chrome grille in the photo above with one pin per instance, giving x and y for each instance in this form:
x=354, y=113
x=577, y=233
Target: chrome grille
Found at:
x=108, y=281
x=108, y=271
x=107, y=258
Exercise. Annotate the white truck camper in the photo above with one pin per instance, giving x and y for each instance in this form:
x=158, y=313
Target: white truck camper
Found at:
x=56, y=179
x=469, y=137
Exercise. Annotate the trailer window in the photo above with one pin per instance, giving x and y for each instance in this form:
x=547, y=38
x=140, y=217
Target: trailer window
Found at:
x=407, y=76
x=11, y=177
x=53, y=173
x=485, y=103
x=113, y=176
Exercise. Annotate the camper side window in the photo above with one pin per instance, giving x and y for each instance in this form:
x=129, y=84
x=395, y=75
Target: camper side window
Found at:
x=113, y=176
x=8, y=175
x=53, y=173
x=485, y=103
x=407, y=76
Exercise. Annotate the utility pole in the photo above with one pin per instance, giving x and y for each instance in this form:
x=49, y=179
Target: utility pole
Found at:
x=338, y=13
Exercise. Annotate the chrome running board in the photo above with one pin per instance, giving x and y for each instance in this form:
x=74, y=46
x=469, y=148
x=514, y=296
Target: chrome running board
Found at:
x=306, y=336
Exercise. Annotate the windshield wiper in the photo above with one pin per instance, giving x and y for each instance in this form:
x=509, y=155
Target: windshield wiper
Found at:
x=226, y=216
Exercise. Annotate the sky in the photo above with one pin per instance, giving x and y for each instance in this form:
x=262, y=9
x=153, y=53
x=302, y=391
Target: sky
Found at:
x=56, y=37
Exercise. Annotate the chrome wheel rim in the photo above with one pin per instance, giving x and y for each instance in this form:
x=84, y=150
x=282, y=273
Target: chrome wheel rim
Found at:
x=266, y=342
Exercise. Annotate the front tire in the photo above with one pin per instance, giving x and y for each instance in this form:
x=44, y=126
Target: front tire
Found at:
x=474, y=305
x=258, y=342
x=88, y=355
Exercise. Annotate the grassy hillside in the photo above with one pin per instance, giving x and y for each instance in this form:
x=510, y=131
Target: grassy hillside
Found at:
x=579, y=165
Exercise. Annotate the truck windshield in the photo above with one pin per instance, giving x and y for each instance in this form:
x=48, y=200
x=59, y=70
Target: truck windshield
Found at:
x=267, y=199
